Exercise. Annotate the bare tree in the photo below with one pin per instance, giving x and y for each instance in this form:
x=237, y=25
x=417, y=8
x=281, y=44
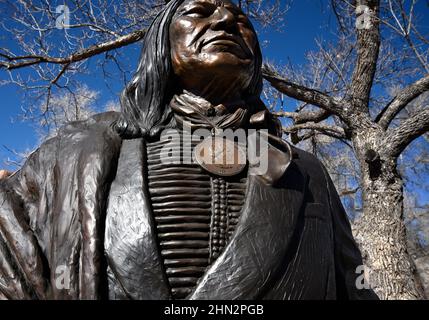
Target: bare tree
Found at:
x=344, y=105
x=52, y=43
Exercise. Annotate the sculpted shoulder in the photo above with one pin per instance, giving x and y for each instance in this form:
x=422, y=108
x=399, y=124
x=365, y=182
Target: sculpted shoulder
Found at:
x=96, y=123
x=86, y=134
x=306, y=159
x=311, y=166
x=76, y=141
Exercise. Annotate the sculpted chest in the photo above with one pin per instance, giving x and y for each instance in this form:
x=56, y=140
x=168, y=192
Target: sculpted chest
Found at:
x=151, y=254
x=171, y=219
x=195, y=215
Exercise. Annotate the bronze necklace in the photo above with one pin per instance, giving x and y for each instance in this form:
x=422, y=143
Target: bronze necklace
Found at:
x=220, y=156
x=216, y=153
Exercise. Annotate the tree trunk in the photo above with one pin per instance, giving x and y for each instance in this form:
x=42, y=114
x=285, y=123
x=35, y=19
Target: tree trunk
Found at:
x=380, y=230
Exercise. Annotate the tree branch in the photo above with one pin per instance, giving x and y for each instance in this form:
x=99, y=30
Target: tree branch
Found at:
x=301, y=116
x=368, y=45
x=347, y=192
x=20, y=62
x=400, y=137
x=302, y=93
x=401, y=100
x=330, y=130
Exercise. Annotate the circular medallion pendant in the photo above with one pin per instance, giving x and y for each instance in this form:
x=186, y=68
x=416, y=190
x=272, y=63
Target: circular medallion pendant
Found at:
x=220, y=156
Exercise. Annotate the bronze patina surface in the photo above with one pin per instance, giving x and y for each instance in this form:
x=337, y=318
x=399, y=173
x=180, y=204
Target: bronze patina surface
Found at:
x=97, y=213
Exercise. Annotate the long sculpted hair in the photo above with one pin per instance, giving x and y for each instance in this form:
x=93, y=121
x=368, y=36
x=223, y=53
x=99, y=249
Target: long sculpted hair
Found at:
x=145, y=109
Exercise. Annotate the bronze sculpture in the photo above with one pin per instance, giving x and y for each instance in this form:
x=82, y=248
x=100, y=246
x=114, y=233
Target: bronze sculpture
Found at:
x=95, y=213
x=4, y=174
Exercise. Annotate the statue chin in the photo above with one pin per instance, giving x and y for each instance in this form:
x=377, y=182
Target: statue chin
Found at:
x=229, y=62
x=220, y=71
x=213, y=74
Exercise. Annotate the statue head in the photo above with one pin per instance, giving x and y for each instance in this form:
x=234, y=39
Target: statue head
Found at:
x=213, y=49
x=207, y=47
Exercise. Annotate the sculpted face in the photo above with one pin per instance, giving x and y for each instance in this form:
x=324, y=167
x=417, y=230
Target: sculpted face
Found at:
x=212, y=48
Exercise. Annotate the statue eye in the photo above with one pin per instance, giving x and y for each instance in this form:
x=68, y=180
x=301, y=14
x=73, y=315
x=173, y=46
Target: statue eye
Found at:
x=242, y=19
x=198, y=12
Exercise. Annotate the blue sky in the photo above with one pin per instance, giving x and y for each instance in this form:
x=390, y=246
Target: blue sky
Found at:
x=306, y=21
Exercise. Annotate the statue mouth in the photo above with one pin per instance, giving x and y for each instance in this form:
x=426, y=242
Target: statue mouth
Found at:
x=226, y=40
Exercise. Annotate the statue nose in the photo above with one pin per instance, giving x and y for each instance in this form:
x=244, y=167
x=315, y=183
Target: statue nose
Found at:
x=224, y=19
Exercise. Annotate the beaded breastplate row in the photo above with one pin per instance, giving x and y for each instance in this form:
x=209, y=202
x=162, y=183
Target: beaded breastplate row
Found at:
x=195, y=215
